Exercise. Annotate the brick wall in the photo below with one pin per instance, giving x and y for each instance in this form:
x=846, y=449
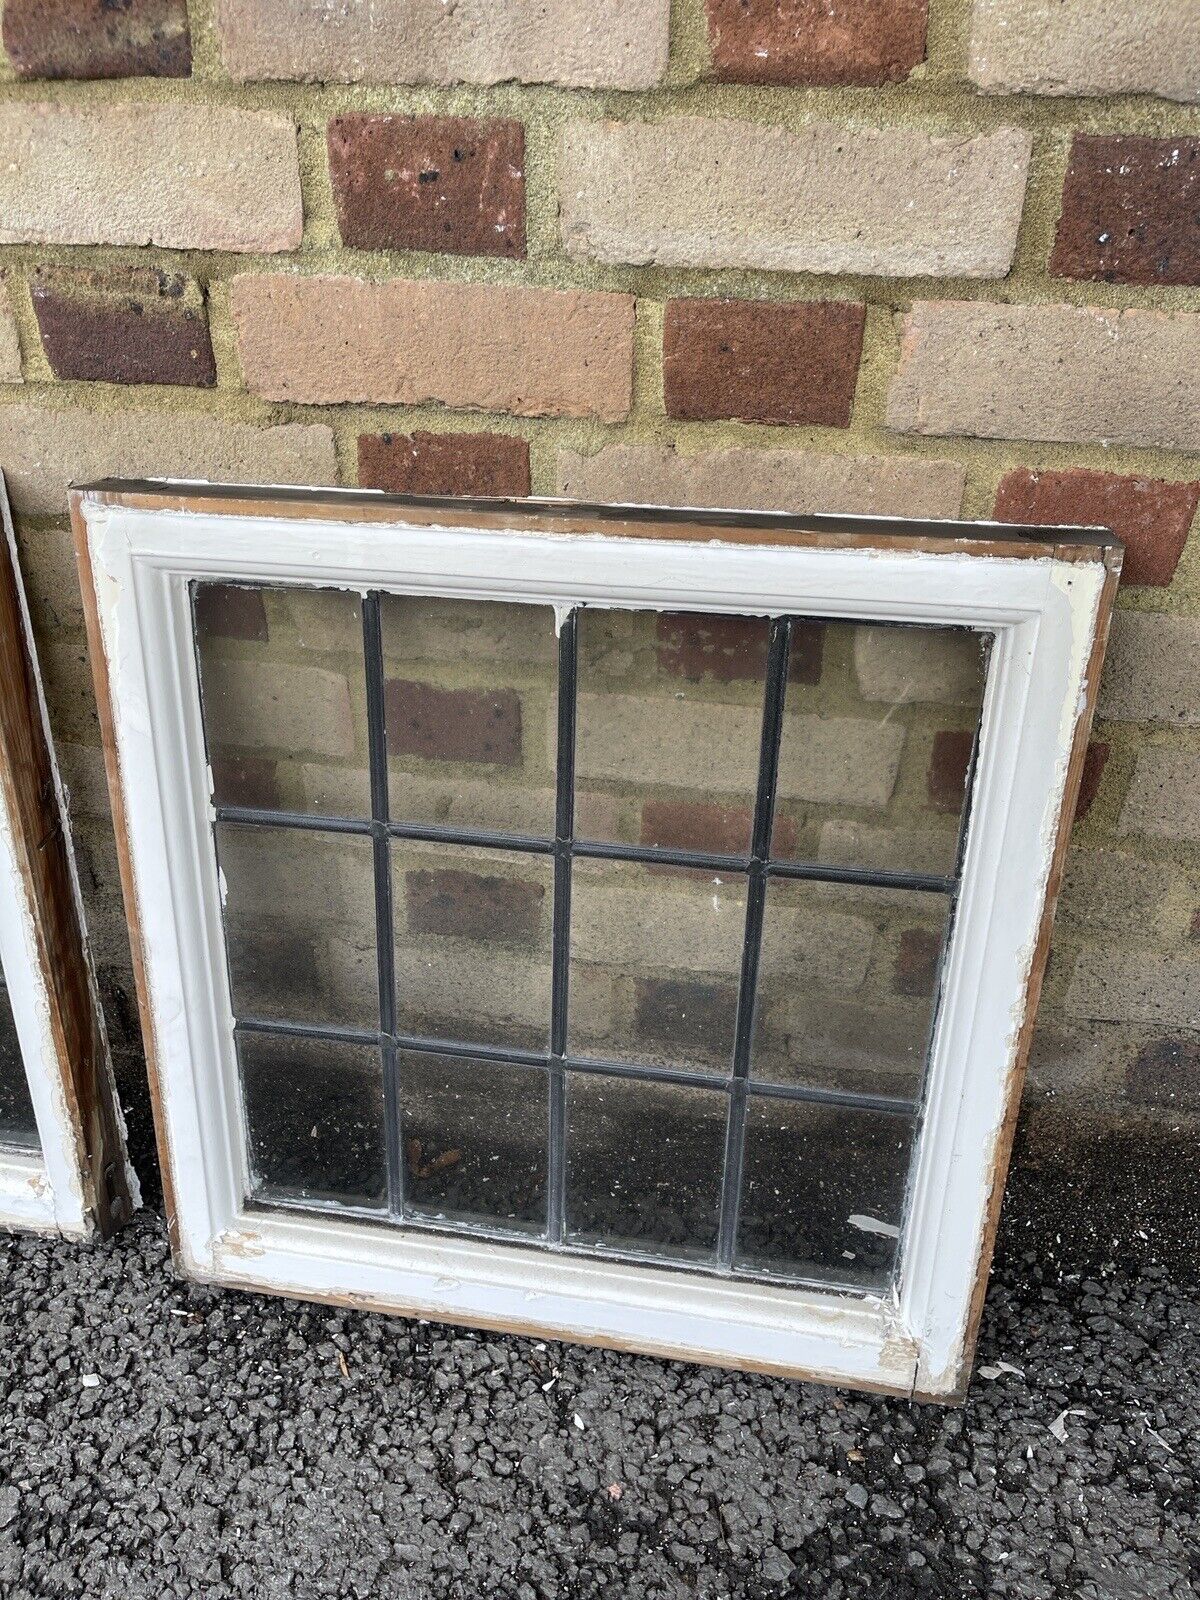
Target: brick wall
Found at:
x=896, y=257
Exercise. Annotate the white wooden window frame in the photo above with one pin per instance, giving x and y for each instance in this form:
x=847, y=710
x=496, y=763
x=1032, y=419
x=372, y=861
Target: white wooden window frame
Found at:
x=1044, y=615
x=40, y=1190
x=57, y=1188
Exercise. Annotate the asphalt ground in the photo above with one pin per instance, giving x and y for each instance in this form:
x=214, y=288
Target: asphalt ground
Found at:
x=163, y=1440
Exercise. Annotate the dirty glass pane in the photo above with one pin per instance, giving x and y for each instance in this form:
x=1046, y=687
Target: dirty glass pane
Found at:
x=878, y=731
x=822, y=1191
x=18, y=1126
x=846, y=987
x=473, y=943
x=655, y=958
x=470, y=693
x=877, y=736
x=314, y=1120
x=474, y=1136
x=669, y=723
x=284, y=697
x=644, y=1165
x=300, y=925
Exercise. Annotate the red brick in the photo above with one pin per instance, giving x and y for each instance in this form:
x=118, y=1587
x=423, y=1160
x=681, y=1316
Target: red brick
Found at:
x=1152, y=516
x=694, y=825
x=245, y=781
x=730, y=649
x=444, y=463
x=1130, y=211
x=715, y=829
x=685, y=1013
x=761, y=362
x=437, y=724
x=136, y=326
x=230, y=611
x=98, y=38
x=816, y=41
x=949, y=765
x=430, y=183
x=1095, y=759
x=916, y=969
x=1165, y=1072
x=696, y=645
x=473, y=905
x=808, y=652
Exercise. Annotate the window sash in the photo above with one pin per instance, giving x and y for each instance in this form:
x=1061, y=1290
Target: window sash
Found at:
x=1045, y=605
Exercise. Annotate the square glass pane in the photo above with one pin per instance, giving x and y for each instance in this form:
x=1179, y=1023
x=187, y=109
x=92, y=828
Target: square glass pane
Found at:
x=300, y=925
x=314, y=1120
x=876, y=741
x=18, y=1126
x=475, y=1136
x=847, y=983
x=284, y=697
x=644, y=1165
x=656, y=953
x=473, y=943
x=471, y=697
x=822, y=1191
x=668, y=728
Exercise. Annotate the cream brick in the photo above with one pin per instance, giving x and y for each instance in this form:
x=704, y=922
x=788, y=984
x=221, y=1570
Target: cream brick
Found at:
x=928, y=848
x=44, y=448
x=1107, y=892
x=505, y=988
x=695, y=192
x=108, y=936
x=904, y=666
x=876, y=1044
x=1152, y=670
x=1086, y=47
x=457, y=802
x=1123, y=984
x=51, y=578
x=267, y=705
x=433, y=629
x=715, y=749
x=83, y=774
x=306, y=880
x=1078, y=374
x=190, y=177
x=839, y=760
x=487, y=632
x=97, y=860
x=600, y=44
x=325, y=619
x=10, y=349
x=712, y=747
x=765, y=480
x=650, y=929
x=536, y=352
x=67, y=675
x=1164, y=795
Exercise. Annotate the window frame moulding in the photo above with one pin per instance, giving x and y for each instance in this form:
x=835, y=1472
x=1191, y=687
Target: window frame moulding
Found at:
x=1044, y=595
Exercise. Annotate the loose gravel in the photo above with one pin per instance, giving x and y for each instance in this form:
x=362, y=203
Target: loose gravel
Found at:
x=163, y=1440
